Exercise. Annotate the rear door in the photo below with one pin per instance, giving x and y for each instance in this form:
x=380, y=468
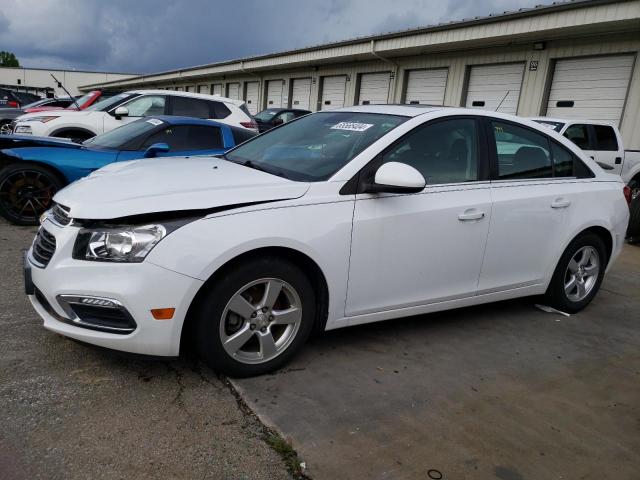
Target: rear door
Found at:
x=534, y=196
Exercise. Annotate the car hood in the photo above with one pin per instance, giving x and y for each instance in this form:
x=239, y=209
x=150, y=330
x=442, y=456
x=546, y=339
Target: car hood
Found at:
x=58, y=113
x=172, y=184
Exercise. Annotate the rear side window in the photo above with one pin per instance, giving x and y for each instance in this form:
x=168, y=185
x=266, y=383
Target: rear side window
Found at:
x=566, y=164
x=219, y=110
x=188, y=137
x=190, y=107
x=241, y=135
x=522, y=153
x=605, y=138
x=578, y=134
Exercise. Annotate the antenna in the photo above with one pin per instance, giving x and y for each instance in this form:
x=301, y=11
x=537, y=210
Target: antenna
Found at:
x=503, y=98
x=65, y=91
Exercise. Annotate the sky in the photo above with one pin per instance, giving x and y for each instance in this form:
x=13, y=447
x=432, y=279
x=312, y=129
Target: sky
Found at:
x=144, y=36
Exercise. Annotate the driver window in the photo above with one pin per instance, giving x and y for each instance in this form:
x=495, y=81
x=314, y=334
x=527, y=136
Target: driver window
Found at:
x=443, y=152
x=146, y=105
x=285, y=117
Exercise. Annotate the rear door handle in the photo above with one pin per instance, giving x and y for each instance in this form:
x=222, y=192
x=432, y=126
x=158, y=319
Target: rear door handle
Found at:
x=471, y=214
x=618, y=160
x=560, y=203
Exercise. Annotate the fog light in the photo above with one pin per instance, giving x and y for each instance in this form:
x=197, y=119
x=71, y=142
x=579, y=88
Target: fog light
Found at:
x=99, y=302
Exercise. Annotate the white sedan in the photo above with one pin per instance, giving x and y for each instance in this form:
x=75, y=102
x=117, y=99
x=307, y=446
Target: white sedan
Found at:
x=338, y=218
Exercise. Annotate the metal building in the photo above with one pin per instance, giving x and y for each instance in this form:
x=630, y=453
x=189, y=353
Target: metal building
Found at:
x=574, y=59
x=39, y=80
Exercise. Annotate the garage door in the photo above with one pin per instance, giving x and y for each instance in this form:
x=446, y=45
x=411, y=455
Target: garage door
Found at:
x=204, y=89
x=301, y=93
x=217, y=89
x=253, y=89
x=426, y=86
x=275, y=89
x=233, y=91
x=374, y=88
x=493, y=85
x=188, y=88
x=590, y=88
x=333, y=92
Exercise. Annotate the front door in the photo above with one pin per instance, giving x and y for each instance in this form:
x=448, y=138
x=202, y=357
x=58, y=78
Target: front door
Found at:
x=410, y=250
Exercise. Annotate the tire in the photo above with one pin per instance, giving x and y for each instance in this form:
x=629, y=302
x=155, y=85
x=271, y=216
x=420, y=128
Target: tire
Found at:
x=26, y=191
x=5, y=128
x=264, y=343
x=633, y=230
x=567, y=297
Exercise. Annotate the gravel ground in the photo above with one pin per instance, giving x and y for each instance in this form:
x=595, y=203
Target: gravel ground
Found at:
x=74, y=411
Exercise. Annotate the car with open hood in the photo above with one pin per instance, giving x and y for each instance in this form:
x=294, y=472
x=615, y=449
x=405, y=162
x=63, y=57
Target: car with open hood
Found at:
x=337, y=218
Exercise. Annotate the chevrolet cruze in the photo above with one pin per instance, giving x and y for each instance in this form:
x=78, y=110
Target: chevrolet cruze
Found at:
x=335, y=219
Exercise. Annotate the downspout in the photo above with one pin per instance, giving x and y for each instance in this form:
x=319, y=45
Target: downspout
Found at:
x=392, y=87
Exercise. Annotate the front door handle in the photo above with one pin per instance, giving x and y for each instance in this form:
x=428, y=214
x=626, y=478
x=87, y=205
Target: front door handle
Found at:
x=560, y=203
x=618, y=160
x=471, y=214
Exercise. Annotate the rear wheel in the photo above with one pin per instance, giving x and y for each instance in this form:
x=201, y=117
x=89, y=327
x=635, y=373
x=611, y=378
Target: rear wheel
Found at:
x=633, y=230
x=253, y=319
x=579, y=274
x=26, y=191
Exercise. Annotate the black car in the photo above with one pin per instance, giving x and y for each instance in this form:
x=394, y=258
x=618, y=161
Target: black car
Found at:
x=272, y=117
x=7, y=115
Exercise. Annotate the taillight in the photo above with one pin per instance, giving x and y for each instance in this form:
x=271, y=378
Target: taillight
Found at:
x=13, y=104
x=251, y=124
x=627, y=194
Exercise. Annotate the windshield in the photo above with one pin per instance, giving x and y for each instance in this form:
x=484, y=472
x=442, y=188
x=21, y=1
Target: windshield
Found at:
x=266, y=115
x=557, y=126
x=116, y=139
x=108, y=102
x=37, y=103
x=81, y=100
x=316, y=146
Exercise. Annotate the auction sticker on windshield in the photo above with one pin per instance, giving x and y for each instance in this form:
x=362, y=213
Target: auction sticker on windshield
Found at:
x=155, y=121
x=352, y=126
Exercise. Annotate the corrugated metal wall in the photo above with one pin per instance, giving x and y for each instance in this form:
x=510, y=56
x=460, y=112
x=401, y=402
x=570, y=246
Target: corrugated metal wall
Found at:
x=535, y=83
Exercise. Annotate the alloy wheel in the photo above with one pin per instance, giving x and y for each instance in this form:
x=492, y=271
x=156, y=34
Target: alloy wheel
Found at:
x=25, y=194
x=260, y=320
x=582, y=274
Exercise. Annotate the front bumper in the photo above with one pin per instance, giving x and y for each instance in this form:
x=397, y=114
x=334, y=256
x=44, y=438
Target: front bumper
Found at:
x=137, y=288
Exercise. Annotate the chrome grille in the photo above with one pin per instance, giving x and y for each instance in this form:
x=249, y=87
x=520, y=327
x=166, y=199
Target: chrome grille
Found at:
x=60, y=215
x=43, y=247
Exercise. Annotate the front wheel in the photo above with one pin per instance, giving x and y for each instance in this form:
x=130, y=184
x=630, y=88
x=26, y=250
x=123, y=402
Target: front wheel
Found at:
x=26, y=191
x=254, y=318
x=579, y=274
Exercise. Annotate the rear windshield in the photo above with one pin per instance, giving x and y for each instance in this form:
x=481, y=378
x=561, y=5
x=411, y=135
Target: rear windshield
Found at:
x=316, y=146
x=266, y=115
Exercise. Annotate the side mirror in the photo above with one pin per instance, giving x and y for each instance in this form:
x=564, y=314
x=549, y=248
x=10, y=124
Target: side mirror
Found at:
x=121, y=112
x=155, y=149
x=395, y=177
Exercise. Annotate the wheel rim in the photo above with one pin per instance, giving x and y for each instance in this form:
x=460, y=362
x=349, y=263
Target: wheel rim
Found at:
x=25, y=194
x=5, y=129
x=582, y=274
x=260, y=320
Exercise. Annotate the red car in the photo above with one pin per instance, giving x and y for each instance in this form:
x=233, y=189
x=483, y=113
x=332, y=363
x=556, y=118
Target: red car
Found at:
x=83, y=102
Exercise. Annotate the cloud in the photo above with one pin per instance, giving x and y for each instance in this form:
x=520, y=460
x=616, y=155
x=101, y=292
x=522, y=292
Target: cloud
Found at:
x=149, y=36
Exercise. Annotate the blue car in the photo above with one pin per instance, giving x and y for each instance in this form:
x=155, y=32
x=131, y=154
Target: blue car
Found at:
x=33, y=169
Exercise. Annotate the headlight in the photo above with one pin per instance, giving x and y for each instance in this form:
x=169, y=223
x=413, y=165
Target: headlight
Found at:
x=43, y=119
x=118, y=244
x=22, y=129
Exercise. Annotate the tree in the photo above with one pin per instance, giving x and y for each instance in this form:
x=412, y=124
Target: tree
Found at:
x=8, y=59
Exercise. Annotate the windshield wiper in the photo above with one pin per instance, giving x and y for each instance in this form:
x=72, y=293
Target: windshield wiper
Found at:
x=256, y=166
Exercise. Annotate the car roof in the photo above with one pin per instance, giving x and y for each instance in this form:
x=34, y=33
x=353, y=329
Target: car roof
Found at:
x=571, y=120
x=202, y=96
x=404, y=110
x=178, y=120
